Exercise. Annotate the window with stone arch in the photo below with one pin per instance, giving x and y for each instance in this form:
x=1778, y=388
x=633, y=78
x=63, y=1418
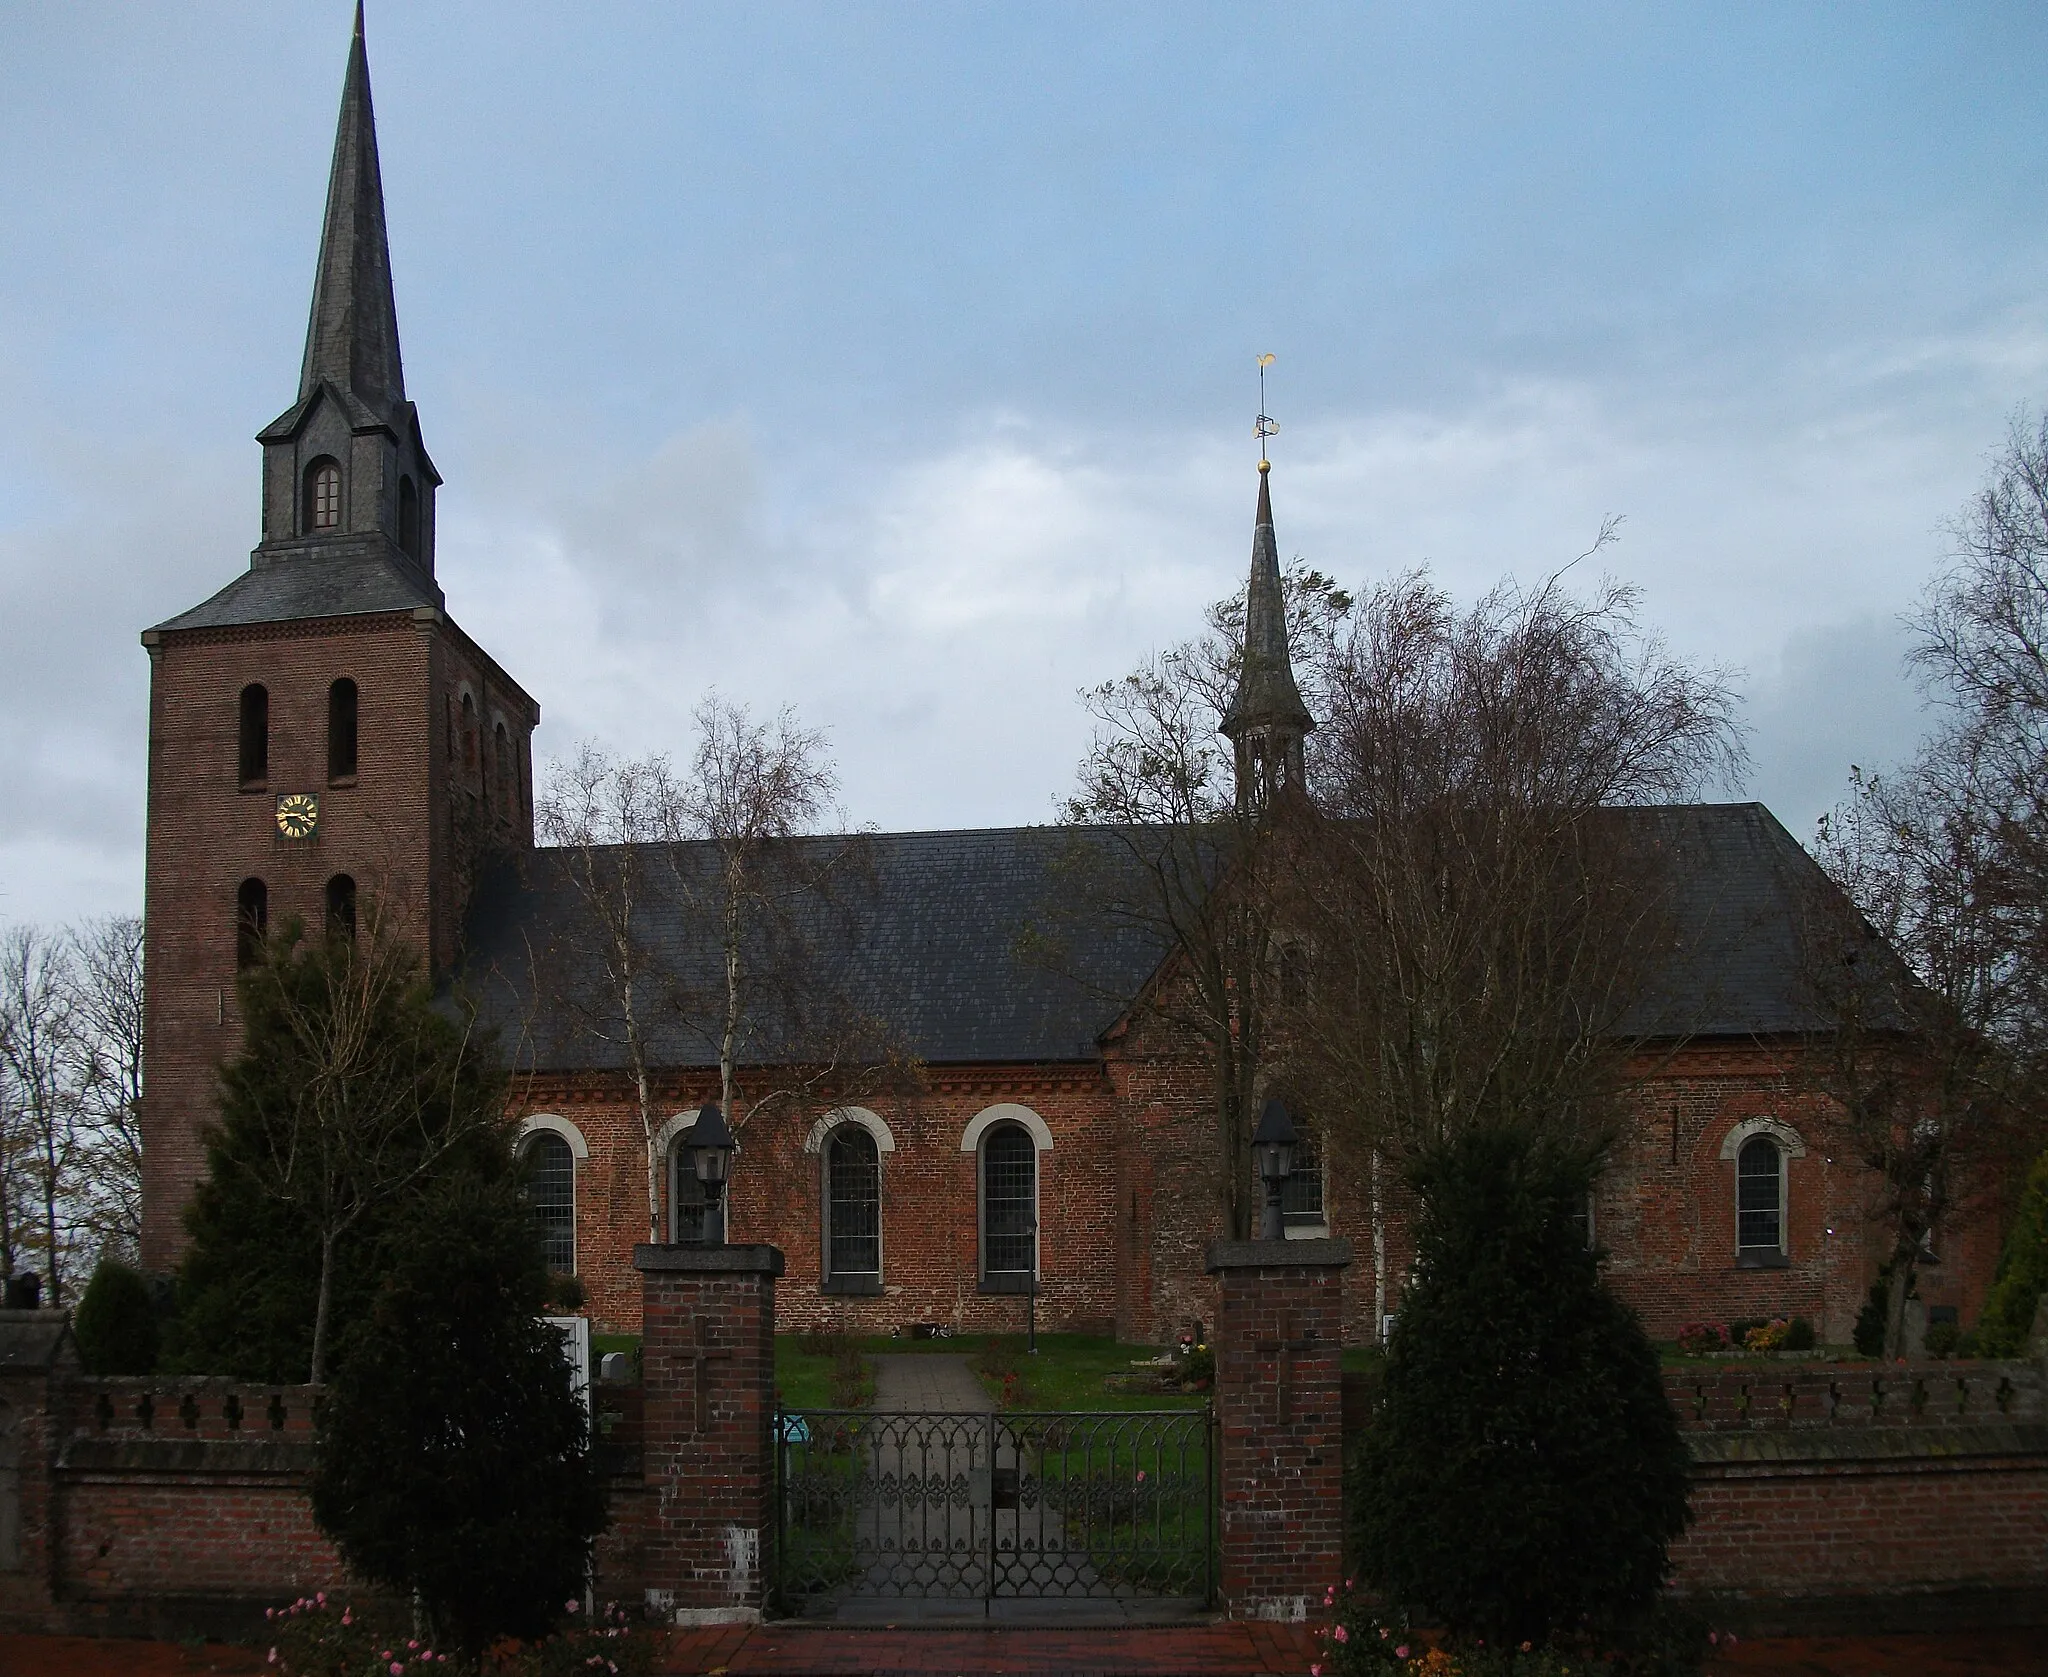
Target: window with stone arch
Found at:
x=1009, y=1209
x=551, y=1188
x=253, y=731
x=1760, y=1198
x=343, y=702
x=252, y=921
x=1762, y=1150
x=853, y=1208
x=468, y=734
x=323, y=495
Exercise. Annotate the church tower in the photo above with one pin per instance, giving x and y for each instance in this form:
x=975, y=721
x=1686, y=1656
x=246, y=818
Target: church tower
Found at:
x=1267, y=721
x=323, y=738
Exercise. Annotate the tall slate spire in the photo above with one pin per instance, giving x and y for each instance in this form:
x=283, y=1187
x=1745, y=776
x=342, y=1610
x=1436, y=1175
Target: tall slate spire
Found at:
x=352, y=337
x=1267, y=720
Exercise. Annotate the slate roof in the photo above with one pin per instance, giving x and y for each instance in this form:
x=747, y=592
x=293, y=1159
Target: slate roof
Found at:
x=925, y=932
x=932, y=932
x=32, y=1340
x=315, y=579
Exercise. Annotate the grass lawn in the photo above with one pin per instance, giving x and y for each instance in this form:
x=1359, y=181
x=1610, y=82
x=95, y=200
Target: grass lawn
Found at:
x=1067, y=1373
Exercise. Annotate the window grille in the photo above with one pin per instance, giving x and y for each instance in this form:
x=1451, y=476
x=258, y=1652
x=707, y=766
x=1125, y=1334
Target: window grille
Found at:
x=1759, y=1197
x=1009, y=1202
x=551, y=1186
x=853, y=1203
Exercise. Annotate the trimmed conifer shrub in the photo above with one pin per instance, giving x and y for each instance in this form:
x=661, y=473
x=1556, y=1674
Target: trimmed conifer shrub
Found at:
x=2022, y=1274
x=1524, y=1472
x=452, y=1454
x=115, y=1324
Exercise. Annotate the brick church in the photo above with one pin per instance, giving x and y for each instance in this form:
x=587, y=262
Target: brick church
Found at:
x=323, y=727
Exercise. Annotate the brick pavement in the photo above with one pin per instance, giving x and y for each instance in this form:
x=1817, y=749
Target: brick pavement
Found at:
x=1204, y=1650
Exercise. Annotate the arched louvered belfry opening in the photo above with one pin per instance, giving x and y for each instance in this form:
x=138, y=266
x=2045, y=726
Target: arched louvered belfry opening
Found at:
x=252, y=921
x=343, y=704
x=323, y=495
x=253, y=736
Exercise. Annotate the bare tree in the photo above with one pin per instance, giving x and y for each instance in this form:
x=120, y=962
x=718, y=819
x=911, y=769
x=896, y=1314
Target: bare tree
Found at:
x=38, y=1027
x=1480, y=931
x=1157, y=784
x=107, y=1006
x=665, y=866
x=351, y=1086
x=1934, y=973
x=608, y=817
x=751, y=784
x=1911, y=966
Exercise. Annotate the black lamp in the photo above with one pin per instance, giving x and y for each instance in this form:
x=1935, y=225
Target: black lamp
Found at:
x=712, y=1145
x=1273, y=1153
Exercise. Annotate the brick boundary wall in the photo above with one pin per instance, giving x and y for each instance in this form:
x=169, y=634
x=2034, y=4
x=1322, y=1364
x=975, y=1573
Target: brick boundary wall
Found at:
x=1279, y=1422
x=1827, y=1497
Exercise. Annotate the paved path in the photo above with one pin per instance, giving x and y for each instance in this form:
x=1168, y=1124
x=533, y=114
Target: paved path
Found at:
x=926, y=1383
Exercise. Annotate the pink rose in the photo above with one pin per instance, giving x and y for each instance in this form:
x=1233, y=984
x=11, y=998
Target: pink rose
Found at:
x=1315, y=1671
x=1401, y=1653
x=321, y=1597
x=397, y=1670
x=576, y=1607
x=1342, y=1634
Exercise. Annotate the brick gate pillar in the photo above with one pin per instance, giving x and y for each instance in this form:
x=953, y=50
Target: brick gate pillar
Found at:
x=1279, y=1336
x=708, y=1362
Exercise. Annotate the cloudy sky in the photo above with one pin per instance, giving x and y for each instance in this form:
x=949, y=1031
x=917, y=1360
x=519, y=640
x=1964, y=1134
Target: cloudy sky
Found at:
x=896, y=362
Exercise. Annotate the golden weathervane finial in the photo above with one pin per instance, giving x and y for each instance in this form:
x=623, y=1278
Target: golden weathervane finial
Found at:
x=1266, y=426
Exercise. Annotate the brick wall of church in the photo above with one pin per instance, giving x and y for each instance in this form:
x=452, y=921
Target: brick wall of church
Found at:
x=1128, y=1202
x=402, y=827
x=206, y=835
x=930, y=1201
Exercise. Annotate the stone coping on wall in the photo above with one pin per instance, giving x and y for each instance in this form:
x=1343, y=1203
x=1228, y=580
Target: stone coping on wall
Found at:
x=1278, y=1254
x=710, y=1260
x=1869, y=1444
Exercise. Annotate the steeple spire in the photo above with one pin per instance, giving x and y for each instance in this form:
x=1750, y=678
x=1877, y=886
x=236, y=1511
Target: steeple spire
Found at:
x=1267, y=720
x=352, y=337
x=344, y=467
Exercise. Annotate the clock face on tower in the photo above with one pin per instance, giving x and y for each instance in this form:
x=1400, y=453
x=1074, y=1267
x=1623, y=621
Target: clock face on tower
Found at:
x=298, y=814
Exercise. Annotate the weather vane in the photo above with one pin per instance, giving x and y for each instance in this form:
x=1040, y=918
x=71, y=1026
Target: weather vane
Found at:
x=1267, y=425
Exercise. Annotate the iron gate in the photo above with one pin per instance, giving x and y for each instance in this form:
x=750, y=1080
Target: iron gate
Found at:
x=1117, y=1504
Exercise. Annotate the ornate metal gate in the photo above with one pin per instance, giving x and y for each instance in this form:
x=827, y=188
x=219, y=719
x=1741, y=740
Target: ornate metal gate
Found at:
x=961, y=1506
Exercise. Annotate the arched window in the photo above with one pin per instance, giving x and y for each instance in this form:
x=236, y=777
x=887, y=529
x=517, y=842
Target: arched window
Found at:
x=408, y=518
x=255, y=735
x=341, y=730
x=323, y=495
x=504, y=766
x=1009, y=1209
x=551, y=1185
x=686, y=1206
x=341, y=906
x=469, y=733
x=1759, y=1199
x=853, y=1207
x=252, y=921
